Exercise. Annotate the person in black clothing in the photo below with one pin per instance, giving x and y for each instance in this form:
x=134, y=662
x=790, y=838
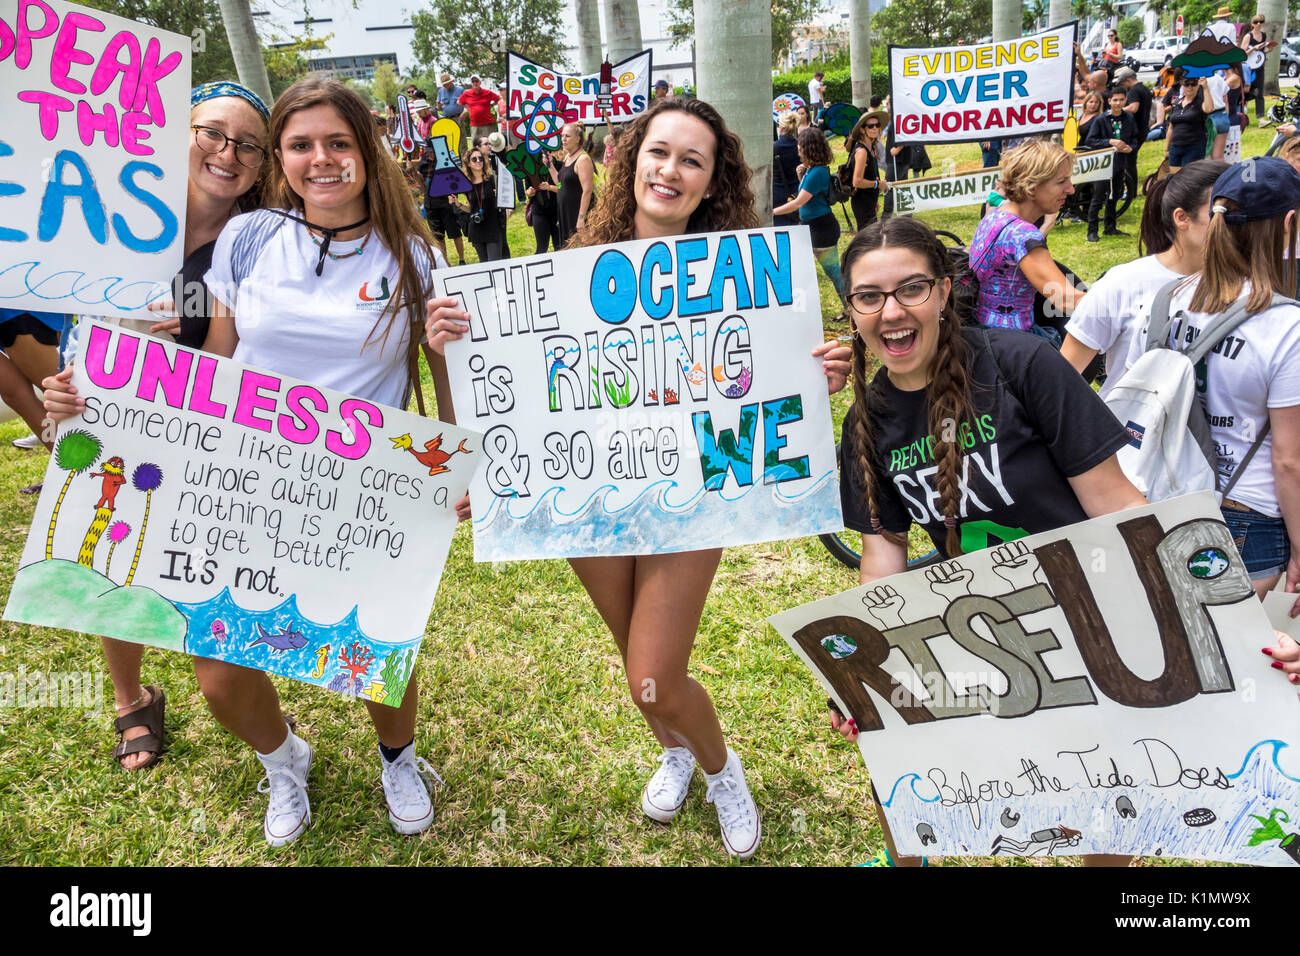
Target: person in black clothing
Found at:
x=545, y=213
x=898, y=163
x=1185, y=120
x=867, y=183
x=1138, y=105
x=440, y=213
x=1117, y=129
x=484, y=225
x=785, y=168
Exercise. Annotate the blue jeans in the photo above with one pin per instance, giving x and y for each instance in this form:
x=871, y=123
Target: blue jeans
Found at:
x=1180, y=156
x=1261, y=540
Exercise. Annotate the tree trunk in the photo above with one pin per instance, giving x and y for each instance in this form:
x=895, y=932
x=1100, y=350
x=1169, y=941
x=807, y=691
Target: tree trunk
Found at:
x=623, y=31
x=1007, y=21
x=1058, y=13
x=1274, y=12
x=588, y=14
x=733, y=50
x=860, y=52
x=245, y=47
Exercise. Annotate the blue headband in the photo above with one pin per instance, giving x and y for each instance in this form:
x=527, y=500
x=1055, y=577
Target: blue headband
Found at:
x=210, y=91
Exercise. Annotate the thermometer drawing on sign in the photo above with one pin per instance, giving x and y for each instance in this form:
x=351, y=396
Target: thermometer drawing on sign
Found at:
x=405, y=125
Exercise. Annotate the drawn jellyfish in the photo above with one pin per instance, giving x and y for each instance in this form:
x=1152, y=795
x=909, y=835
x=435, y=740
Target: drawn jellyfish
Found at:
x=219, y=633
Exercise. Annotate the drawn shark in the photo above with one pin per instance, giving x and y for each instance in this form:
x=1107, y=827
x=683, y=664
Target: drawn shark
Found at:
x=288, y=639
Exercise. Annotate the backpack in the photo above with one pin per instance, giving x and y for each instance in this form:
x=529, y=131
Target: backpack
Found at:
x=1170, y=451
x=841, y=188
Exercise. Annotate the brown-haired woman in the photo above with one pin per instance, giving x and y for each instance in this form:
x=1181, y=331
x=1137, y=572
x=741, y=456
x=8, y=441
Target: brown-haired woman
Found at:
x=484, y=224
x=867, y=181
x=1020, y=442
x=285, y=279
x=577, y=181
x=813, y=204
x=678, y=170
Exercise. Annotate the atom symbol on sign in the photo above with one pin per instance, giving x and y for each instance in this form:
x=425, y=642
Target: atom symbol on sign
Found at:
x=540, y=129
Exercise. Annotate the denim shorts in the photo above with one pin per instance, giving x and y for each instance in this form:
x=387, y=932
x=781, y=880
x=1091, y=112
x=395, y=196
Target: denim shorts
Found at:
x=1180, y=156
x=1261, y=540
x=1221, y=122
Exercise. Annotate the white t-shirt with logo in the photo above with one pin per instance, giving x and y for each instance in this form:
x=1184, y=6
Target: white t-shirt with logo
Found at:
x=315, y=328
x=1116, y=307
x=1256, y=367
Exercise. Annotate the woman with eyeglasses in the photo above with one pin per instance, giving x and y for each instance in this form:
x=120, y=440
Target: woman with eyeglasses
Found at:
x=867, y=181
x=1185, y=120
x=1255, y=40
x=1012, y=438
x=484, y=224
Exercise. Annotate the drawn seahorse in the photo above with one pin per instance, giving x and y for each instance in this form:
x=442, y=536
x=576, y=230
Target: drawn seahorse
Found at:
x=322, y=656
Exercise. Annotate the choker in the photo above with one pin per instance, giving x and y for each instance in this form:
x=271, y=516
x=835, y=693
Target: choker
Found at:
x=328, y=233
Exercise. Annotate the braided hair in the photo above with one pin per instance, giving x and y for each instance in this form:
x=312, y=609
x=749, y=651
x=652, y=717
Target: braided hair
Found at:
x=949, y=407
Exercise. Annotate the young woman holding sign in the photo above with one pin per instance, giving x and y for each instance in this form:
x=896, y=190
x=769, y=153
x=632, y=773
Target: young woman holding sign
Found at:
x=286, y=280
x=678, y=171
x=974, y=394
x=813, y=204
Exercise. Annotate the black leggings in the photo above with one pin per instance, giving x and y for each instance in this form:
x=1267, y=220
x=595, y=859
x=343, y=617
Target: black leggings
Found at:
x=864, y=203
x=546, y=229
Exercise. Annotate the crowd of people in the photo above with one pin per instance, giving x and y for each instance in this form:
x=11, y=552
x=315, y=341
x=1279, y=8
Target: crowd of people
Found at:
x=269, y=210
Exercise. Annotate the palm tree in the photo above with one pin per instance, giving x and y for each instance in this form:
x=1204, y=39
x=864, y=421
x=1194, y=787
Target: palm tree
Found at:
x=1034, y=12
x=146, y=477
x=75, y=452
x=1081, y=8
x=118, y=531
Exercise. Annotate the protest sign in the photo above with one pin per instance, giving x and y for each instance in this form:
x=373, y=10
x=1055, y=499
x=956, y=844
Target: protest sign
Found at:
x=785, y=103
x=505, y=186
x=966, y=189
x=1095, y=689
x=206, y=507
x=94, y=145
x=958, y=94
x=645, y=397
x=628, y=91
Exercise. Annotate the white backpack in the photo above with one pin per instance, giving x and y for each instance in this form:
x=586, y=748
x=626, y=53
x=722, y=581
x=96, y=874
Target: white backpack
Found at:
x=1170, y=451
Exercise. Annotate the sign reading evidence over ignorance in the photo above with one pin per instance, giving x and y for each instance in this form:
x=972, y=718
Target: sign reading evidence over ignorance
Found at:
x=958, y=94
x=645, y=397
x=94, y=133
x=1094, y=689
x=628, y=90
x=203, y=506
x=966, y=189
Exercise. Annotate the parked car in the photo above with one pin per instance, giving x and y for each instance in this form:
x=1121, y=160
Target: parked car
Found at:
x=1290, y=65
x=1158, y=51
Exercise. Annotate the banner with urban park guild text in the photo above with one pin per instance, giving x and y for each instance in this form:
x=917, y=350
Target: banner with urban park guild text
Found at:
x=968, y=189
x=94, y=145
x=1095, y=689
x=203, y=506
x=995, y=90
x=645, y=397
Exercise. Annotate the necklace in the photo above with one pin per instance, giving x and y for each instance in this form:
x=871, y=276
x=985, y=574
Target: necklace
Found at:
x=342, y=255
x=329, y=236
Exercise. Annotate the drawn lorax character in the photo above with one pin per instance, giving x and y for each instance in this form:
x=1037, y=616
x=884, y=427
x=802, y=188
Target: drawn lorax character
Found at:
x=114, y=479
x=432, y=455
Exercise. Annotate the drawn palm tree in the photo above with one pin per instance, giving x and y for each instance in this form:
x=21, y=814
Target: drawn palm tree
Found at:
x=146, y=477
x=77, y=451
x=118, y=531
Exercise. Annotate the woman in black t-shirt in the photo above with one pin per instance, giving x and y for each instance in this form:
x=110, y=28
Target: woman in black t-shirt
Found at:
x=484, y=225
x=1185, y=121
x=980, y=436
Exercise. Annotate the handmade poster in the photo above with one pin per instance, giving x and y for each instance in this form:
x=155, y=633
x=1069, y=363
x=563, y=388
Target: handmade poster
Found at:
x=94, y=143
x=838, y=119
x=505, y=186
x=206, y=507
x=1095, y=689
x=1215, y=49
x=1277, y=605
x=999, y=90
x=645, y=397
x=967, y=189
x=626, y=90
x=785, y=103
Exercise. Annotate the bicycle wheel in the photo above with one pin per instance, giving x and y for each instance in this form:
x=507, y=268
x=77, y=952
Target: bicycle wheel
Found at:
x=1129, y=193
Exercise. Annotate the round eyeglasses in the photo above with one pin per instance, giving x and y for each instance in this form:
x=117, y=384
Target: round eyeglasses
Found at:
x=911, y=293
x=214, y=141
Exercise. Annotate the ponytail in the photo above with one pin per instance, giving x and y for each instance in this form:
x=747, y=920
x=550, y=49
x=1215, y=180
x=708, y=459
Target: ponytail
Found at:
x=1188, y=189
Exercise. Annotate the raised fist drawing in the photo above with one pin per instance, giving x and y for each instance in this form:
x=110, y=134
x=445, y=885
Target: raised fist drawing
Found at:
x=885, y=605
x=949, y=579
x=1015, y=564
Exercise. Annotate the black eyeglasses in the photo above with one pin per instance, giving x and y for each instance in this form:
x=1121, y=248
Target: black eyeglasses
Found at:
x=911, y=293
x=214, y=141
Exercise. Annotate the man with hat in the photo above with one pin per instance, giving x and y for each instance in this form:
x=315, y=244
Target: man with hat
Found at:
x=1222, y=27
x=479, y=102
x=422, y=116
x=1139, y=107
x=662, y=90
x=449, y=103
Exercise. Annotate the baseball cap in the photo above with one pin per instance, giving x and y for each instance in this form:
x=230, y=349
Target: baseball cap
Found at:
x=1264, y=187
x=1124, y=73
x=663, y=83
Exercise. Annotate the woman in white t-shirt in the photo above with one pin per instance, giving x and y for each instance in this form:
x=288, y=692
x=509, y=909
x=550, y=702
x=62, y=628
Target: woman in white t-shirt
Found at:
x=327, y=285
x=1118, y=304
x=1252, y=379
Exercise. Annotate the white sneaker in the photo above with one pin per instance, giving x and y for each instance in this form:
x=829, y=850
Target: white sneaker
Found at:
x=665, y=792
x=28, y=441
x=288, y=811
x=737, y=814
x=406, y=788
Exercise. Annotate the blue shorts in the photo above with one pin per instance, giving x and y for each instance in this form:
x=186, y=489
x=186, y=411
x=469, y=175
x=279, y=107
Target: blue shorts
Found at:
x=1180, y=156
x=1221, y=122
x=1261, y=540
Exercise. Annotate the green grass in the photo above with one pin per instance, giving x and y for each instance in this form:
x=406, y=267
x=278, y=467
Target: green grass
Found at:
x=524, y=709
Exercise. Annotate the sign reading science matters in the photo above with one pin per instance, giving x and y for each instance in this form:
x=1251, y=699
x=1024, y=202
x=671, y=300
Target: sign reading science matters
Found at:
x=203, y=506
x=645, y=397
x=629, y=90
x=1094, y=689
x=94, y=133
x=959, y=94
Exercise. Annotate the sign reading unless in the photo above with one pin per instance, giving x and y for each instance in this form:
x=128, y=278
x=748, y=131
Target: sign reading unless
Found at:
x=1095, y=689
x=645, y=397
x=966, y=189
x=207, y=507
x=958, y=94
x=94, y=140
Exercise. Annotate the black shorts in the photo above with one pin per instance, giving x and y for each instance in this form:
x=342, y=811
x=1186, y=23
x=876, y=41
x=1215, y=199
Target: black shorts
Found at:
x=442, y=221
x=825, y=230
x=26, y=324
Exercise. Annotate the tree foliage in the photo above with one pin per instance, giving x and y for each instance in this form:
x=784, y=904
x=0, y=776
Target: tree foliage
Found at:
x=384, y=84
x=466, y=38
x=786, y=16
x=1130, y=31
x=198, y=19
x=933, y=22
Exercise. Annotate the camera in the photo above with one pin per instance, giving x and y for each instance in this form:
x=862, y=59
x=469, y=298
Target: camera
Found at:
x=476, y=217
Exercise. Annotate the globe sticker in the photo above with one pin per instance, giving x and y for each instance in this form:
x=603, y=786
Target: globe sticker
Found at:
x=1207, y=563
x=839, y=646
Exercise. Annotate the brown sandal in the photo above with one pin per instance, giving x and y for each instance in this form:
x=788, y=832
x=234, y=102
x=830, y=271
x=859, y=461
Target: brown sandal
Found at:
x=150, y=716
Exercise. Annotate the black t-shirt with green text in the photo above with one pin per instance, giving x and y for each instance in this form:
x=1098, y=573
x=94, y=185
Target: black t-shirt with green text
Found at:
x=1036, y=423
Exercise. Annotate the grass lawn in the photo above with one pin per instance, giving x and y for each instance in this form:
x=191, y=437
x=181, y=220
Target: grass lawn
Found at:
x=524, y=709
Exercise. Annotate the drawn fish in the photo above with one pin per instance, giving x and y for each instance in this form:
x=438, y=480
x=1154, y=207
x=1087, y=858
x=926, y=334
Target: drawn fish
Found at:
x=696, y=375
x=286, y=640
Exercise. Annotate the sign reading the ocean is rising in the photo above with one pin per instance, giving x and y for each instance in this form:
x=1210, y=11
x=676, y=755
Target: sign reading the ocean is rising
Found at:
x=1095, y=689
x=94, y=132
x=956, y=94
x=206, y=507
x=645, y=397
